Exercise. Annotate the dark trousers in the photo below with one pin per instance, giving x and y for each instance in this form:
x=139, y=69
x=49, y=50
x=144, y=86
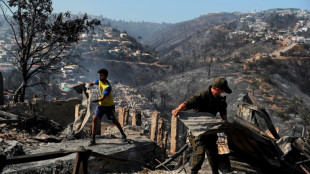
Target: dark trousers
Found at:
x=205, y=144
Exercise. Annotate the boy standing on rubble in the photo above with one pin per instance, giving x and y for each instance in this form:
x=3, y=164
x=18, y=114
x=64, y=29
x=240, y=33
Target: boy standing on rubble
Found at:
x=106, y=104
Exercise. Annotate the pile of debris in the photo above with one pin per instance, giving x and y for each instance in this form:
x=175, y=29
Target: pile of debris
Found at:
x=254, y=143
x=29, y=133
x=28, y=129
x=127, y=96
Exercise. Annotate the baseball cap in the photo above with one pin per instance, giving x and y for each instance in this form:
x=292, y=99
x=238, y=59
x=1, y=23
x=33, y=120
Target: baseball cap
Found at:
x=222, y=83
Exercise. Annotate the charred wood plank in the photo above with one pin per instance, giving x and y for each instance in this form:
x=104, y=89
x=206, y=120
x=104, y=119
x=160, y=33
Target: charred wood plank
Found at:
x=8, y=121
x=81, y=162
x=242, y=166
x=3, y=162
x=302, y=146
x=305, y=169
x=102, y=156
x=37, y=157
x=303, y=161
x=9, y=115
x=163, y=165
x=173, y=156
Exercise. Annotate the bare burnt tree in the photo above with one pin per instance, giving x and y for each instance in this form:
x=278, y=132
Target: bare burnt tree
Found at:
x=164, y=96
x=44, y=41
x=254, y=85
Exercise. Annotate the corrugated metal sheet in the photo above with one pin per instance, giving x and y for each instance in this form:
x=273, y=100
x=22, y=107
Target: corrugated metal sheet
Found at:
x=199, y=122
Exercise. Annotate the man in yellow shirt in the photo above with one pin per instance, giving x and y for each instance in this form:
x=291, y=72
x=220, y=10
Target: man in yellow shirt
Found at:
x=106, y=104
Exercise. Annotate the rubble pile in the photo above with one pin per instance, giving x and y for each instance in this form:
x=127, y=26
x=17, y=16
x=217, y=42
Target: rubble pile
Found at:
x=127, y=96
x=30, y=130
x=37, y=132
x=59, y=166
x=11, y=148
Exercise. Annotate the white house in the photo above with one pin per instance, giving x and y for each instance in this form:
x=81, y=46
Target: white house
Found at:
x=123, y=35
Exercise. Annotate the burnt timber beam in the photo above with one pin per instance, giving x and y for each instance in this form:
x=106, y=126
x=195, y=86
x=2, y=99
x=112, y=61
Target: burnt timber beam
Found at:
x=102, y=156
x=8, y=121
x=81, y=162
x=173, y=156
x=9, y=115
x=37, y=157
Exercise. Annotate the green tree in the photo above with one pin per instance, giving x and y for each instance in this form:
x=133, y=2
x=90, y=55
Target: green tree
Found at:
x=44, y=41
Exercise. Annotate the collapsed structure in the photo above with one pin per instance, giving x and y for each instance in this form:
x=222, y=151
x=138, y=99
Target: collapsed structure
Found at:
x=251, y=148
x=253, y=141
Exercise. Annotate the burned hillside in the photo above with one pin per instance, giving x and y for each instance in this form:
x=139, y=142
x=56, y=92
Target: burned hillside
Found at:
x=51, y=128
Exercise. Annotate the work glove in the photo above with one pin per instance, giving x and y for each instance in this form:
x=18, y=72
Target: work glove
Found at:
x=95, y=101
x=87, y=86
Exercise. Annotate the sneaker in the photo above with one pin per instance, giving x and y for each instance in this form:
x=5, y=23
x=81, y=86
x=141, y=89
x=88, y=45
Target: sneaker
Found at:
x=91, y=143
x=124, y=138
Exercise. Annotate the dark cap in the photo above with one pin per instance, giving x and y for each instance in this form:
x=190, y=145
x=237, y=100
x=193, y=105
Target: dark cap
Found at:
x=221, y=83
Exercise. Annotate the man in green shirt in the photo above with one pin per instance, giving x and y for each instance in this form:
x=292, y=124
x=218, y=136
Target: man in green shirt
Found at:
x=208, y=100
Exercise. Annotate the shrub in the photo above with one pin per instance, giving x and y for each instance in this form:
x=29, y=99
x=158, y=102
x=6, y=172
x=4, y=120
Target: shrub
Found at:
x=265, y=78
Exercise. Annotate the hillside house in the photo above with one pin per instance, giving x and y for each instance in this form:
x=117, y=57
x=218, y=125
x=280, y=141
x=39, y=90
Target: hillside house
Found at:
x=123, y=35
x=107, y=41
x=126, y=43
x=280, y=37
x=137, y=53
x=307, y=41
x=3, y=56
x=67, y=70
x=298, y=39
x=114, y=51
x=83, y=36
x=4, y=67
x=304, y=29
x=101, y=41
x=108, y=29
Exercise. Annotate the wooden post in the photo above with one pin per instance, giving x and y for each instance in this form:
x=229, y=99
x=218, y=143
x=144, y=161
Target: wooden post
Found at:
x=81, y=163
x=165, y=139
x=3, y=162
x=160, y=138
x=139, y=119
x=136, y=118
x=160, y=132
x=174, y=135
x=77, y=110
x=154, y=125
x=126, y=116
x=121, y=114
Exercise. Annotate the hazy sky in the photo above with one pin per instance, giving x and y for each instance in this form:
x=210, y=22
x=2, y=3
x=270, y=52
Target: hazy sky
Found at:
x=170, y=11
